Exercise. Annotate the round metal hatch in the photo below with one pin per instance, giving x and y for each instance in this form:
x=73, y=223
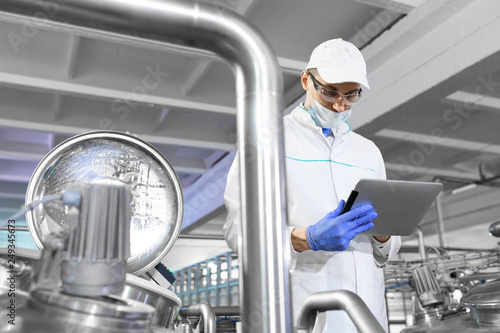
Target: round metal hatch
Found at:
x=108, y=157
x=484, y=303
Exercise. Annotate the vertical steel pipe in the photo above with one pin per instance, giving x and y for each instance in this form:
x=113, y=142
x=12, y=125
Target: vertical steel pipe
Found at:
x=421, y=244
x=264, y=279
x=440, y=222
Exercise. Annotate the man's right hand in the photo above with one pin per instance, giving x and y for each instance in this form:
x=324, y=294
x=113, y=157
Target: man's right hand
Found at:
x=334, y=232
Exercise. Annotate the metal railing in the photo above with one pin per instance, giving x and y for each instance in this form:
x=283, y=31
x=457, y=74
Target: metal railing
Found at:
x=214, y=281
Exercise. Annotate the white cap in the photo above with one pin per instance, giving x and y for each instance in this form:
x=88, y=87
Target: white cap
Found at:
x=339, y=61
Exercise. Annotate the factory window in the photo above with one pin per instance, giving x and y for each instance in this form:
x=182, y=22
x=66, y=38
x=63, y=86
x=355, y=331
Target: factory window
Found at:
x=215, y=281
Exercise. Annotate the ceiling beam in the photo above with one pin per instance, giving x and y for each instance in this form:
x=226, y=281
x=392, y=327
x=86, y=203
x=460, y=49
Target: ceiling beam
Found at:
x=292, y=66
x=16, y=171
x=481, y=101
x=17, y=150
x=13, y=190
x=407, y=48
x=32, y=119
x=206, y=195
x=406, y=170
x=19, y=159
x=381, y=21
x=398, y=6
x=73, y=56
x=162, y=115
x=58, y=106
x=10, y=205
x=194, y=79
x=463, y=210
x=413, y=27
x=433, y=141
x=72, y=88
x=204, y=65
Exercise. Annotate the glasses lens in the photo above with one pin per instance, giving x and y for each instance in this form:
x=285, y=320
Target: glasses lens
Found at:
x=331, y=95
x=352, y=98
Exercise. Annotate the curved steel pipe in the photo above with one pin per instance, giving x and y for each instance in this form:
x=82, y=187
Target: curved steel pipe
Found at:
x=205, y=311
x=264, y=275
x=345, y=300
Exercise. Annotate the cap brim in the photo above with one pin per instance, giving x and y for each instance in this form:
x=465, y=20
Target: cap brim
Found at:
x=341, y=75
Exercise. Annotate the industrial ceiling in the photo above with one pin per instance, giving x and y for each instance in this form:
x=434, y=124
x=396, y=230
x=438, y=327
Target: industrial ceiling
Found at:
x=433, y=108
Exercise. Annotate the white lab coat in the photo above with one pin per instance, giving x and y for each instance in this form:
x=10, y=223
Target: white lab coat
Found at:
x=318, y=175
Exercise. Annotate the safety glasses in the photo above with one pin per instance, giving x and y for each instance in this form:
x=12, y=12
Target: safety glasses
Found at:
x=331, y=95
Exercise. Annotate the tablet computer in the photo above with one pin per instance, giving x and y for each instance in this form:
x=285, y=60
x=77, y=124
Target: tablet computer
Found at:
x=400, y=205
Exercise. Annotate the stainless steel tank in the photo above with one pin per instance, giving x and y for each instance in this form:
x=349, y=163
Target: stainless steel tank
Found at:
x=81, y=266
x=130, y=192
x=479, y=311
x=165, y=302
x=46, y=311
x=483, y=302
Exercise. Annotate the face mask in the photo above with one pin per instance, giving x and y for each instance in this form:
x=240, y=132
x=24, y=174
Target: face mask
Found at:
x=326, y=118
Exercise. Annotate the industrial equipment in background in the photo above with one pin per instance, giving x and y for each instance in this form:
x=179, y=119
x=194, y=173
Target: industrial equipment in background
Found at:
x=451, y=292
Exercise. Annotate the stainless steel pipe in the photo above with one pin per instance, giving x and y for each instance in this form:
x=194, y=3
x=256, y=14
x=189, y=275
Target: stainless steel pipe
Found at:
x=421, y=244
x=345, y=300
x=440, y=222
x=205, y=311
x=264, y=275
x=226, y=310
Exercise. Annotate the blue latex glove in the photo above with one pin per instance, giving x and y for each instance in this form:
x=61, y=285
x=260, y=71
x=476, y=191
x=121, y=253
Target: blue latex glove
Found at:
x=334, y=232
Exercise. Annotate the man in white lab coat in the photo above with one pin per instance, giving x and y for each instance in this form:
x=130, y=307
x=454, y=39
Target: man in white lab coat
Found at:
x=324, y=160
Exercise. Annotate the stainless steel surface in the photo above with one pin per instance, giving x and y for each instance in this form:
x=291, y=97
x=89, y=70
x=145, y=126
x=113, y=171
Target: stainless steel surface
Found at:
x=186, y=328
x=105, y=306
x=6, y=314
x=260, y=129
x=203, y=310
x=95, y=262
x=163, y=300
x=459, y=323
x=427, y=314
x=494, y=229
x=480, y=276
x=48, y=270
x=226, y=310
x=50, y=311
x=483, y=301
x=427, y=286
x=120, y=159
x=17, y=228
x=23, y=257
x=440, y=221
x=158, y=329
x=344, y=300
x=421, y=244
